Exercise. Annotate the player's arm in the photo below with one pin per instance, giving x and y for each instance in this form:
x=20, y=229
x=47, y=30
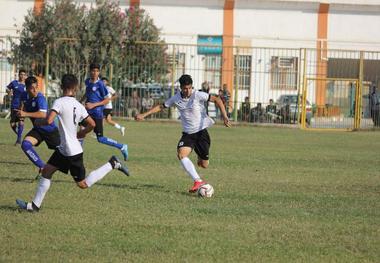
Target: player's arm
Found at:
x=153, y=110
x=91, y=105
x=218, y=102
x=46, y=121
x=25, y=114
x=89, y=125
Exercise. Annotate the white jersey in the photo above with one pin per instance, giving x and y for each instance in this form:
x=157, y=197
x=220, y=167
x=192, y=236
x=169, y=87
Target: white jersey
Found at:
x=111, y=92
x=70, y=113
x=193, y=113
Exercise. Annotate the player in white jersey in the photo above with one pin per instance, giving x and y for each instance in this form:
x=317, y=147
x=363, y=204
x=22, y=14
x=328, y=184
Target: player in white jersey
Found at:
x=107, y=112
x=195, y=122
x=69, y=154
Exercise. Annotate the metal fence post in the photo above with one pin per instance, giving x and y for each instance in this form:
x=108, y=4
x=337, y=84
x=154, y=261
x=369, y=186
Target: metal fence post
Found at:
x=47, y=58
x=236, y=93
x=304, y=91
x=111, y=66
x=171, y=110
x=358, y=96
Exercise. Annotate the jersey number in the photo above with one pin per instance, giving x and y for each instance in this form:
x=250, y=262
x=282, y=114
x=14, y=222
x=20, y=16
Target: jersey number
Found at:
x=74, y=116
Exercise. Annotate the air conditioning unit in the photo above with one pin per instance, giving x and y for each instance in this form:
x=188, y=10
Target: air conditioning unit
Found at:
x=284, y=62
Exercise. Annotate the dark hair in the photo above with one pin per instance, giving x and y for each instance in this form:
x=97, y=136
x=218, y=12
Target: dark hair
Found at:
x=185, y=80
x=22, y=70
x=69, y=81
x=94, y=65
x=29, y=81
x=105, y=79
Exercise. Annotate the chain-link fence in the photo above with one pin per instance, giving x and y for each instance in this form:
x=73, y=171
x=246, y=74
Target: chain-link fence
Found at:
x=257, y=85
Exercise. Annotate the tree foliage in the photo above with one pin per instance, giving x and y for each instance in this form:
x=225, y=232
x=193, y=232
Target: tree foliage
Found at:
x=75, y=36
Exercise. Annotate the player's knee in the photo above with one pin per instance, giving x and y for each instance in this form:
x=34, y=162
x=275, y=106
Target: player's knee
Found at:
x=25, y=145
x=82, y=184
x=180, y=155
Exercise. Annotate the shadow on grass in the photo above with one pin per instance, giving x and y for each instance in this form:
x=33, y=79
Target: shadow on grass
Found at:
x=14, y=163
x=112, y=185
x=8, y=208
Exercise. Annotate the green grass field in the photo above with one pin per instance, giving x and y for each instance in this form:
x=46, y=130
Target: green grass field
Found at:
x=281, y=195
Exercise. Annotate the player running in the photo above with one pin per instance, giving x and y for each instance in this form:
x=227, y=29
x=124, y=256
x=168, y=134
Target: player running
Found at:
x=195, y=122
x=96, y=97
x=69, y=154
x=17, y=87
x=107, y=112
x=35, y=107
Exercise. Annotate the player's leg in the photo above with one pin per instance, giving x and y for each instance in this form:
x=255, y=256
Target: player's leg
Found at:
x=184, y=148
x=42, y=188
x=13, y=121
x=33, y=138
x=110, y=142
x=109, y=120
x=78, y=171
x=20, y=129
x=202, y=148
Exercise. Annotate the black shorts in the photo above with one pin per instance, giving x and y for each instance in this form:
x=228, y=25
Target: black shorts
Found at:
x=14, y=117
x=199, y=141
x=107, y=112
x=51, y=139
x=74, y=164
x=98, y=127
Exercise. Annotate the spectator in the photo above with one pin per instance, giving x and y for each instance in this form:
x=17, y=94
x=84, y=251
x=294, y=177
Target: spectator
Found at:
x=374, y=103
x=147, y=102
x=134, y=104
x=257, y=113
x=245, y=109
x=271, y=111
x=226, y=96
x=206, y=88
x=220, y=95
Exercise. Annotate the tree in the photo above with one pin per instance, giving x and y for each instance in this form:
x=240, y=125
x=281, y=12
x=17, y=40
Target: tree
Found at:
x=144, y=53
x=75, y=37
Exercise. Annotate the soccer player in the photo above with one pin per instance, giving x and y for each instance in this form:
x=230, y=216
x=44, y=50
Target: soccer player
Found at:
x=96, y=97
x=195, y=122
x=35, y=107
x=107, y=112
x=17, y=87
x=69, y=154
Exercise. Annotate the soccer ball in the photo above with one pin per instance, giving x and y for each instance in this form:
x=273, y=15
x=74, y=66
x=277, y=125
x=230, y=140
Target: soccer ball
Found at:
x=205, y=190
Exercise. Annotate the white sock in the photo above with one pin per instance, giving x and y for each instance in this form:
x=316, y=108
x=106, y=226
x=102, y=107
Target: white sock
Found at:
x=98, y=174
x=190, y=169
x=117, y=126
x=42, y=189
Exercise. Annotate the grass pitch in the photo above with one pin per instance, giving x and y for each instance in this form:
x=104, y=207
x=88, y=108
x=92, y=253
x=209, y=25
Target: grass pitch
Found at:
x=280, y=195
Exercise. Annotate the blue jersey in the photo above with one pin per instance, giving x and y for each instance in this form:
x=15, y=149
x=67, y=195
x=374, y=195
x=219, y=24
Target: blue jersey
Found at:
x=96, y=92
x=17, y=89
x=36, y=104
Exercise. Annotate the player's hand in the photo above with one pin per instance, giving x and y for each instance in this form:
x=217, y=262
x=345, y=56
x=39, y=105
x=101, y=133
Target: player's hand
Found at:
x=90, y=105
x=227, y=122
x=81, y=134
x=20, y=113
x=139, y=117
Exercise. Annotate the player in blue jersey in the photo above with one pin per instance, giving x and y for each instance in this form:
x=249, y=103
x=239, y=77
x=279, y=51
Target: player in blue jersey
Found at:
x=35, y=107
x=96, y=97
x=17, y=87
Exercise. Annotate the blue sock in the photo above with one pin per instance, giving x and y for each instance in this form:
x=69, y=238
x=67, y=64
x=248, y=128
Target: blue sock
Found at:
x=27, y=147
x=19, y=132
x=109, y=142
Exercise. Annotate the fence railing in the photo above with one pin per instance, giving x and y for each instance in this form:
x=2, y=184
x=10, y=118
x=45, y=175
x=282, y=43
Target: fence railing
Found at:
x=257, y=85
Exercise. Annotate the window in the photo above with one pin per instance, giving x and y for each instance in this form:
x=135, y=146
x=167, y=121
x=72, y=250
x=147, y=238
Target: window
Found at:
x=179, y=64
x=243, y=66
x=284, y=73
x=213, y=70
